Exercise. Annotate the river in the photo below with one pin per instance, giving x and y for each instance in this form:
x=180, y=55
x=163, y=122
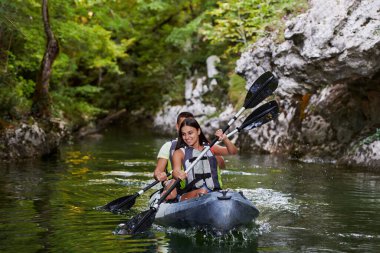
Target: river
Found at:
x=51, y=205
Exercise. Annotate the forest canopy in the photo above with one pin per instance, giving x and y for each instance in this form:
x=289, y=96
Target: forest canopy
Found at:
x=132, y=54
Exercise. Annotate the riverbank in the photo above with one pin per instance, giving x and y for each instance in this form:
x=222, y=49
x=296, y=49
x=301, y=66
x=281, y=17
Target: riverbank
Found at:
x=32, y=139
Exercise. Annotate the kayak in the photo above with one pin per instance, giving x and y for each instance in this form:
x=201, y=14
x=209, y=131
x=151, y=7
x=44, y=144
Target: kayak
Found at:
x=219, y=210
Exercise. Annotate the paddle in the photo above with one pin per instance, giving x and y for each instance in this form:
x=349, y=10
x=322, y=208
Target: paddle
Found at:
x=144, y=220
x=126, y=202
x=263, y=87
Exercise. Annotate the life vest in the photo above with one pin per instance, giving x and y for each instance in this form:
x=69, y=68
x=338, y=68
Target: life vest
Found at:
x=205, y=171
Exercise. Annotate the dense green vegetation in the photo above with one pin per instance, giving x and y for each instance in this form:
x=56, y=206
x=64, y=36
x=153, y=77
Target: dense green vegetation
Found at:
x=132, y=54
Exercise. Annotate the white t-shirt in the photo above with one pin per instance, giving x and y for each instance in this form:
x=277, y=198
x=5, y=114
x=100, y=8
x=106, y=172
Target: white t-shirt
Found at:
x=165, y=151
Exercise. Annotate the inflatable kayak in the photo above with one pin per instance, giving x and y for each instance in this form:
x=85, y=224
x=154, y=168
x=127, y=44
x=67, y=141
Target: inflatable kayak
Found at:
x=220, y=210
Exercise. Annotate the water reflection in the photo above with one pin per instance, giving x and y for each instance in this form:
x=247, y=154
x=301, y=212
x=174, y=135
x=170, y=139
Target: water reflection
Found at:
x=242, y=240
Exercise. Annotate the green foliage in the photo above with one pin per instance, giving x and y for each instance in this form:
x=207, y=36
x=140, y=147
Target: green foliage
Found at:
x=176, y=95
x=13, y=104
x=133, y=54
x=153, y=5
x=91, y=46
x=372, y=138
x=70, y=103
x=88, y=52
x=84, y=91
x=21, y=27
x=24, y=88
x=237, y=87
x=236, y=23
x=182, y=36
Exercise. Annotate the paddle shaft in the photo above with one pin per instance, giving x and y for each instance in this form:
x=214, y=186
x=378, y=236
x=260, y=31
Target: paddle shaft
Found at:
x=136, y=195
x=238, y=129
x=233, y=119
x=250, y=101
x=247, y=104
x=147, y=187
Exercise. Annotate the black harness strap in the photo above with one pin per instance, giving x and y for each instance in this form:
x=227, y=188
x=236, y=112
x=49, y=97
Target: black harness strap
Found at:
x=202, y=176
x=198, y=177
x=194, y=158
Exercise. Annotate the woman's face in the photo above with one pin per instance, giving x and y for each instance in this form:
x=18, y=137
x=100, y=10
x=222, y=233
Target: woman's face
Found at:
x=190, y=135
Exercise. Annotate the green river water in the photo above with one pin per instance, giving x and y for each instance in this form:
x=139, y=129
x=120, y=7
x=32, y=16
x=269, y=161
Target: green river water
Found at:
x=50, y=205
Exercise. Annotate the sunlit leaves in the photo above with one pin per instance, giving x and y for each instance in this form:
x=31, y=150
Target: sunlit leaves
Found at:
x=180, y=36
x=154, y=5
x=236, y=23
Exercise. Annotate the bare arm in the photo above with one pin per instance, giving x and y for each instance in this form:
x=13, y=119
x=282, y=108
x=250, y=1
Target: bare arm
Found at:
x=159, y=171
x=162, y=161
x=229, y=149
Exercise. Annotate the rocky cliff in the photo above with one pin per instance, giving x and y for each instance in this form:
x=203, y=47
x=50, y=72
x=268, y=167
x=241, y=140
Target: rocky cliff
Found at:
x=329, y=84
x=328, y=68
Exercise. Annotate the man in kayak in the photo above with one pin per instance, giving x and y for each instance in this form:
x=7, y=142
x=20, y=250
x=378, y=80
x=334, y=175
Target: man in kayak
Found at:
x=205, y=176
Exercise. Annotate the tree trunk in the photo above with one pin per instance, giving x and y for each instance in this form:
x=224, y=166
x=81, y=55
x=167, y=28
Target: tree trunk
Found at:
x=41, y=98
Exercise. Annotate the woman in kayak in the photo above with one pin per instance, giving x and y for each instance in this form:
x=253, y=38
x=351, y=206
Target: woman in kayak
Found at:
x=205, y=175
x=164, y=159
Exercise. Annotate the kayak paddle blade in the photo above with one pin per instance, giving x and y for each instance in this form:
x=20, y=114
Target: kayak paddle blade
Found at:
x=261, y=115
x=125, y=203
x=138, y=224
x=262, y=88
x=121, y=204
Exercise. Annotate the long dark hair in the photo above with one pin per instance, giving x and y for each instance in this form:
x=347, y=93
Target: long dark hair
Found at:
x=192, y=123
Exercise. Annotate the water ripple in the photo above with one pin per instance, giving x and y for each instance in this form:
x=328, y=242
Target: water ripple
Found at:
x=243, y=173
x=127, y=173
x=270, y=199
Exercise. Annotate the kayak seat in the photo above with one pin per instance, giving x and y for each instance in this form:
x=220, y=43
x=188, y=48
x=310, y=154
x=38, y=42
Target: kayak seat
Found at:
x=224, y=195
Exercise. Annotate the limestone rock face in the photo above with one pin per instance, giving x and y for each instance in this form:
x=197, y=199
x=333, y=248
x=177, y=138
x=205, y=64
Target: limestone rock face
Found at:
x=195, y=88
x=329, y=84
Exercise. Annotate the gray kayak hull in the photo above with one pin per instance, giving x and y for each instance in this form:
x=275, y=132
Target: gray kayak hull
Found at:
x=222, y=211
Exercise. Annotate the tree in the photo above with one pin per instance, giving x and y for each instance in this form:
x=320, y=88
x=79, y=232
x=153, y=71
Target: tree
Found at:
x=41, y=98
